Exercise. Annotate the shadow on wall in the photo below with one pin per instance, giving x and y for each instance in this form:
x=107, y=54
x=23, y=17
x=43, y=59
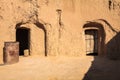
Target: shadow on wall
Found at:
x=113, y=47
x=107, y=67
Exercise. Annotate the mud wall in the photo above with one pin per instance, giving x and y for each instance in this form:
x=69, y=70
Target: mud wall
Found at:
x=63, y=22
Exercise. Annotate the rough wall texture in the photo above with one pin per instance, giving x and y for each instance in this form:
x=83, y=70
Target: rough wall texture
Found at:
x=56, y=26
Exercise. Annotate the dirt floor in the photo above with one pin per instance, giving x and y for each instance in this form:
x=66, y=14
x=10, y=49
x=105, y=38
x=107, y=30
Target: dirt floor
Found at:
x=61, y=68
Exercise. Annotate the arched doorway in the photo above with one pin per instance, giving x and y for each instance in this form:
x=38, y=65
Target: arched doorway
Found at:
x=91, y=39
x=94, y=38
x=23, y=37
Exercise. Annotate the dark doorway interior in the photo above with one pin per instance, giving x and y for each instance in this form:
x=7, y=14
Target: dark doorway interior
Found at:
x=91, y=37
x=23, y=37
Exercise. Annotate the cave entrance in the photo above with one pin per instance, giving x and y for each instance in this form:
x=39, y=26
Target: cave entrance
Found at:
x=23, y=37
x=91, y=38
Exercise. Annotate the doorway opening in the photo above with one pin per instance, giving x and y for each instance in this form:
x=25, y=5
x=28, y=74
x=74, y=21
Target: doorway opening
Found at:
x=91, y=39
x=23, y=37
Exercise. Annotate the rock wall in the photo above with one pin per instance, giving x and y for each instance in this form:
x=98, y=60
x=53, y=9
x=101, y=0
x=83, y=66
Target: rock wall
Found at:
x=57, y=25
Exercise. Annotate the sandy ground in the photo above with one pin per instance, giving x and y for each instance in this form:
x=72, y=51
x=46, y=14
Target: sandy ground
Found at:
x=61, y=68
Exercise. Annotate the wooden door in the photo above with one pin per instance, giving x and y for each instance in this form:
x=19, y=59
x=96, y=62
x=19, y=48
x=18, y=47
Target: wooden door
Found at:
x=91, y=38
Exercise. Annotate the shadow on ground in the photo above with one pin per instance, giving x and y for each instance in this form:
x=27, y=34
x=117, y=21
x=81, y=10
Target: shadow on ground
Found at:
x=103, y=68
x=106, y=68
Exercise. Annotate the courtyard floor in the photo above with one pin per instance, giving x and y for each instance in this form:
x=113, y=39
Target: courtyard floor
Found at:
x=61, y=68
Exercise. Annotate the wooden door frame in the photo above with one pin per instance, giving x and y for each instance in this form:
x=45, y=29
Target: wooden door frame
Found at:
x=94, y=40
